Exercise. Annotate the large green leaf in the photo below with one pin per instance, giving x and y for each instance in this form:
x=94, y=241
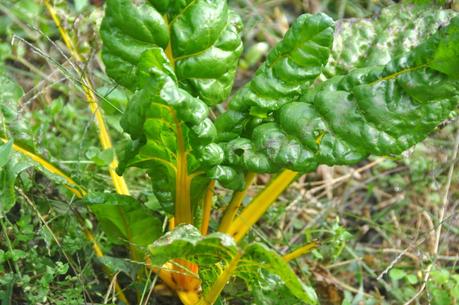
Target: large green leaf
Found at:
x=367, y=42
x=211, y=253
x=204, y=39
x=381, y=110
x=167, y=123
x=288, y=72
x=186, y=242
x=258, y=265
x=167, y=117
x=124, y=220
x=291, y=66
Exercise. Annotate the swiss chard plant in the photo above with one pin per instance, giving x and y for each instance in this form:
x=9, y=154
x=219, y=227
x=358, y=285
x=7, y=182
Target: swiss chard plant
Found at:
x=328, y=93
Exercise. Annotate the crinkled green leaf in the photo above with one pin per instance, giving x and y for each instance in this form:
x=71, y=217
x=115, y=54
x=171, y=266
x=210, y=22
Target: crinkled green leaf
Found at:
x=204, y=38
x=127, y=30
x=258, y=265
x=160, y=118
x=186, y=242
x=289, y=70
x=228, y=176
x=263, y=269
x=208, y=70
x=367, y=42
x=291, y=66
x=211, y=252
x=381, y=110
x=124, y=220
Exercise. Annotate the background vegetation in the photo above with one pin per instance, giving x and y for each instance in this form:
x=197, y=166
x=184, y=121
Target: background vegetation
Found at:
x=378, y=223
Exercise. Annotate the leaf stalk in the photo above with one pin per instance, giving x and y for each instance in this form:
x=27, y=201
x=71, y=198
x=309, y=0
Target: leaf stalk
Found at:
x=182, y=181
x=207, y=208
x=301, y=251
x=258, y=206
x=235, y=203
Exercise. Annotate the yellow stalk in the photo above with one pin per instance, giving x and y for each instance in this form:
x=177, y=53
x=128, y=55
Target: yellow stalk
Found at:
x=166, y=274
x=168, y=49
x=301, y=251
x=183, y=213
x=80, y=193
x=188, y=297
x=211, y=297
x=233, y=206
x=253, y=212
x=207, y=208
x=104, y=138
x=182, y=181
x=171, y=223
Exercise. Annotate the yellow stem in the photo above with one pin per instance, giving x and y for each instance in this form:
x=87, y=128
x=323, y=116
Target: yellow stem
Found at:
x=171, y=223
x=168, y=50
x=253, y=212
x=211, y=297
x=182, y=181
x=80, y=193
x=207, y=208
x=104, y=138
x=235, y=203
x=183, y=213
x=166, y=274
x=188, y=297
x=301, y=251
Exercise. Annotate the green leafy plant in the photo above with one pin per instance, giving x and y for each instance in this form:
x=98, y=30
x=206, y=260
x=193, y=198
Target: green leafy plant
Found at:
x=443, y=286
x=328, y=93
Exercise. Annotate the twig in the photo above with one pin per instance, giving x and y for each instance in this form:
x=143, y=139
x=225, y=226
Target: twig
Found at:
x=111, y=289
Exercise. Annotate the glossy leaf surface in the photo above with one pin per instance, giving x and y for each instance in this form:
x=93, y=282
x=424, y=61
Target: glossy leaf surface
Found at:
x=186, y=242
x=257, y=263
x=362, y=43
x=184, y=249
x=289, y=70
x=202, y=38
x=381, y=110
x=170, y=130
